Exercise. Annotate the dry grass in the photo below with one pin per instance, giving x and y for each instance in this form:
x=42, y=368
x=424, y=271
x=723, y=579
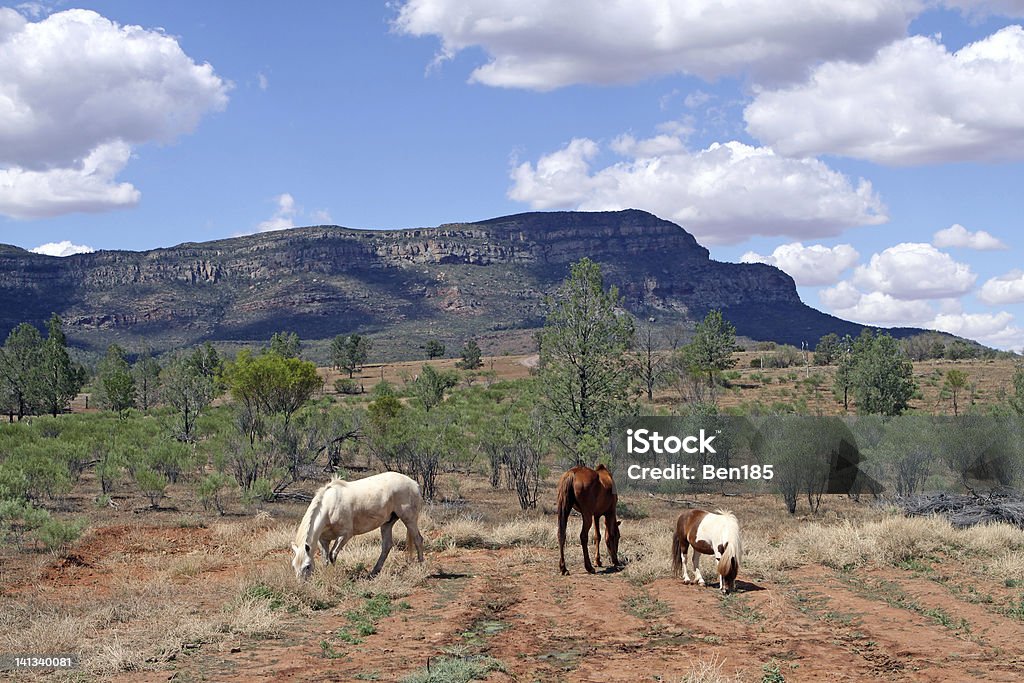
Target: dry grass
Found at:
x=709, y=671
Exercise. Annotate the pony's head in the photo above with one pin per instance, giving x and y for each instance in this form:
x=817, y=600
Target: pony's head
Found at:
x=302, y=561
x=612, y=532
x=728, y=566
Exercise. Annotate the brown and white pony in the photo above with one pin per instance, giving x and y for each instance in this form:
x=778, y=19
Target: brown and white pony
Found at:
x=592, y=493
x=708, y=533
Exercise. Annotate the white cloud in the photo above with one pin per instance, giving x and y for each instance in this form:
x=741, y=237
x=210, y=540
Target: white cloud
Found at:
x=874, y=308
x=283, y=218
x=548, y=44
x=77, y=92
x=722, y=194
x=914, y=271
x=289, y=214
x=62, y=248
x=1004, y=289
x=812, y=265
x=913, y=103
x=991, y=329
x=88, y=186
x=262, y=81
x=321, y=217
x=957, y=235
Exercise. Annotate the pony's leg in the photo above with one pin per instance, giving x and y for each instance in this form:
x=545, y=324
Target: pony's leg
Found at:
x=584, y=533
x=597, y=541
x=385, y=544
x=696, y=567
x=686, y=562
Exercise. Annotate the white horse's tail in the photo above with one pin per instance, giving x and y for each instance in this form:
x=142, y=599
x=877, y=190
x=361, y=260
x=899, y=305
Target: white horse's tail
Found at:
x=412, y=543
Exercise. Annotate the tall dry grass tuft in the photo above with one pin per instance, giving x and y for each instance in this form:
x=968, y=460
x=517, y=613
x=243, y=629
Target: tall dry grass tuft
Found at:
x=709, y=671
x=645, y=547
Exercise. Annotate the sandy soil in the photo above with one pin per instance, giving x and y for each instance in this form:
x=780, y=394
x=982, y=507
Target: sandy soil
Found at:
x=813, y=624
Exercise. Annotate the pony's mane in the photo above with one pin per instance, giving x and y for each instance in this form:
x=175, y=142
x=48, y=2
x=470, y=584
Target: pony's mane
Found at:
x=732, y=534
x=306, y=525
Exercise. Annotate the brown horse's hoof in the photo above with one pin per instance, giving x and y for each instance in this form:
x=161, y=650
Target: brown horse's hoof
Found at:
x=590, y=570
x=565, y=572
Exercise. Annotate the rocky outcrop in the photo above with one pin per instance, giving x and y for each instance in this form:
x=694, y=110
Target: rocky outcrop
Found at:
x=455, y=279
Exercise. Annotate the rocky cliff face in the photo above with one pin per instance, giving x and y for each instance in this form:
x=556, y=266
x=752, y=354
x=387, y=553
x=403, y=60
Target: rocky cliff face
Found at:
x=452, y=281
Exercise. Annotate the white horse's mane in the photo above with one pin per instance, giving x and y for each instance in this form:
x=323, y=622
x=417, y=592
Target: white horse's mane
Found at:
x=306, y=525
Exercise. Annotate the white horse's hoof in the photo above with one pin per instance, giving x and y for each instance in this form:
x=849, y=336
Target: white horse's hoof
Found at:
x=700, y=582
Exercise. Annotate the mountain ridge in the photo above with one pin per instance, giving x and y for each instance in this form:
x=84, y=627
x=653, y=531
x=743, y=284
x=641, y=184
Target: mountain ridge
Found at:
x=453, y=281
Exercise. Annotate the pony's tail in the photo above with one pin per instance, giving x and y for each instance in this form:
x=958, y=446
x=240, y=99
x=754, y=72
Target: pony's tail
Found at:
x=677, y=554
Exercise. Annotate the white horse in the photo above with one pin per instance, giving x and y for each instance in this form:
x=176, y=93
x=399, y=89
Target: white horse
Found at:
x=343, y=509
x=708, y=533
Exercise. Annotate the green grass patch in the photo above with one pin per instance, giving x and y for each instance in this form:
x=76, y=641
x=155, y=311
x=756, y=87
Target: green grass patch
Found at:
x=449, y=669
x=733, y=605
x=643, y=606
x=362, y=621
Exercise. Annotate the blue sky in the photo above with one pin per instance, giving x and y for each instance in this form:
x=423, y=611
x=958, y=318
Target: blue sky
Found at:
x=872, y=149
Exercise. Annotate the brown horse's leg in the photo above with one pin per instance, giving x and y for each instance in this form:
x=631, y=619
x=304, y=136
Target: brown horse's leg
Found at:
x=588, y=519
x=597, y=541
x=563, y=521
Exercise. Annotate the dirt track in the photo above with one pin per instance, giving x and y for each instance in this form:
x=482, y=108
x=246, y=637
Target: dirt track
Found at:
x=813, y=623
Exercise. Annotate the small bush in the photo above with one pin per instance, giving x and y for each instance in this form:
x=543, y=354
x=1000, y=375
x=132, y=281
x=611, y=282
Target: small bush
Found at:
x=56, y=535
x=345, y=385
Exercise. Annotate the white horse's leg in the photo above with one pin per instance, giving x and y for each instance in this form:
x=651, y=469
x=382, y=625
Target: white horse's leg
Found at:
x=696, y=567
x=686, y=561
x=338, y=545
x=385, y=544
x=417, y=538
x=325, y=549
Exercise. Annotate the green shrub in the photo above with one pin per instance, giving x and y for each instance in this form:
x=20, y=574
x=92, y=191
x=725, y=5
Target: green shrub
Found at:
x=56, y=535
x=213, y=490
x=153, y=485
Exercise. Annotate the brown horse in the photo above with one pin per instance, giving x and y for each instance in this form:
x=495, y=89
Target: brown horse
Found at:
x=592, y=493
x=708, y=533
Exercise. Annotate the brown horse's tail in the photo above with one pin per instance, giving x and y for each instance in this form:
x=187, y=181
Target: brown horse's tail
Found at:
x=566, y=499
x=677, y=553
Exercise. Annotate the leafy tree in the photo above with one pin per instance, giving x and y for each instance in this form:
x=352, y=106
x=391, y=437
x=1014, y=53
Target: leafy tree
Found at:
x=209, y=363
x=828, y=349
x=271, y=384
x=959, y=349
x=710, y=351
x=350, y=352
x=115, y=382
x=883, y=377
x=189, y=386
x=843, y=381
x=285, y=344
x=434, y=349
x=585, y=379
x=471, y=356
x=21, y=370
x=1017, y=400
x=147, y=379
x=956, y=382
x=61, y=378
x=430, y=386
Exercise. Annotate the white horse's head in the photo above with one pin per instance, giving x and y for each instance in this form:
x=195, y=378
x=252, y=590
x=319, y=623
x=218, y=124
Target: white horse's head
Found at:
x=302, y=561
